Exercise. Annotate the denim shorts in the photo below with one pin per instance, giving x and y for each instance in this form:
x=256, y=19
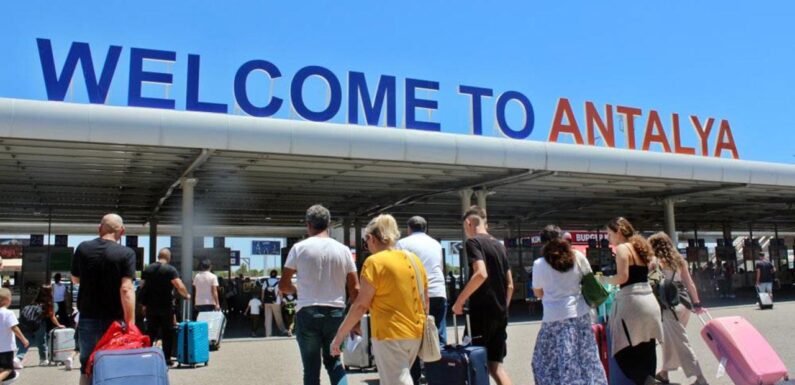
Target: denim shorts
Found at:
x=89, y=331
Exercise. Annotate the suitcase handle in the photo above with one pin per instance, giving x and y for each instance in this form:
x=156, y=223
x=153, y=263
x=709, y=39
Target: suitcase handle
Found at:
x=468, y=329
x=704, y=317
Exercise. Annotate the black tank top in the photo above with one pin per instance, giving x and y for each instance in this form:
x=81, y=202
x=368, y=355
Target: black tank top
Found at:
x=637, y=274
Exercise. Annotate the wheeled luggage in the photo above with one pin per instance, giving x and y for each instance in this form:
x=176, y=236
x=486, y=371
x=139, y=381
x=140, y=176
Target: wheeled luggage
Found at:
x=765, y=300
x=62, y=345
x=460, y=365
x=600, y=333
x=193, y=343
x=615, y=376
x=361, y=356
x=745, y=354
x=216, y=325
x=130, y=367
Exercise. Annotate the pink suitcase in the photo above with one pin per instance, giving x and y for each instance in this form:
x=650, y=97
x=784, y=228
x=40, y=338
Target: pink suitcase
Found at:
x=746, y=354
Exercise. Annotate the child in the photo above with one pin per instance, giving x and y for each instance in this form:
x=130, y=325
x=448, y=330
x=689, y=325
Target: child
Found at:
x=253, y=311
x=288, y=304
x=9, y=328
x=76, y=354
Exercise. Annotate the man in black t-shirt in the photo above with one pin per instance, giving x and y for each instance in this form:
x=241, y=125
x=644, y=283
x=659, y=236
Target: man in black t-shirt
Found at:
x=105, y=271
x=489, y=292
x=765, y=275
x=158, y=283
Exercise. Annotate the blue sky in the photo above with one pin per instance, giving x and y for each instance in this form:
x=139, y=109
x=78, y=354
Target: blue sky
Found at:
x=711, y=59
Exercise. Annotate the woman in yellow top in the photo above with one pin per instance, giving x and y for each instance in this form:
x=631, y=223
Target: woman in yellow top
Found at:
x=389, y=291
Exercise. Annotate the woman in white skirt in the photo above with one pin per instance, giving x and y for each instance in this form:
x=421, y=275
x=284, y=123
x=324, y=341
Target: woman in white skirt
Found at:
x=677, y=351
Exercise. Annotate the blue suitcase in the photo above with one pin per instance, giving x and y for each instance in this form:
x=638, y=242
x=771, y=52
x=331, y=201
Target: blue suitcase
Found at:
x=460, y=365
x=193, y=343
x=130, y=367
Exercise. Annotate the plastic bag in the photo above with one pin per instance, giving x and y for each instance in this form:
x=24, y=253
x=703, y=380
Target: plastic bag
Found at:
x=119, y=337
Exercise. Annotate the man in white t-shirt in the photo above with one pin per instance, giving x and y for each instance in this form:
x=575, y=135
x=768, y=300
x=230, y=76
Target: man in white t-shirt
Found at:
x=59, y=297
x=325, y=270
x=253, y=311
x=272, y=302
x=429, y=251
x=205, y=285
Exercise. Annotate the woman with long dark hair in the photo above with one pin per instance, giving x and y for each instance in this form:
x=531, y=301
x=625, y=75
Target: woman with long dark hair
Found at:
x=634, y=322
x=677, y=352
x=565, y=352
x=36, y=321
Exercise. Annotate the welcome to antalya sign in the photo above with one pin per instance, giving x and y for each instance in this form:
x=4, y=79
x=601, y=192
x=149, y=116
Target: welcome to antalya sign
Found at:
x=596, y=128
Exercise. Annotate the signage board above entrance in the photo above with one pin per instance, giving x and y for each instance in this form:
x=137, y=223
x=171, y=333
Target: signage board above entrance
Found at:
x=377, y=101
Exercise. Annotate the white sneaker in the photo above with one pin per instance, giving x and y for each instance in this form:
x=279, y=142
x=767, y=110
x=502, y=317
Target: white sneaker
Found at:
x=18, y=364
x=68, y=363
x=44, y=363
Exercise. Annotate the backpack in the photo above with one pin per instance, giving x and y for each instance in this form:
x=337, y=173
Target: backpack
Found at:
x=30, y=317
x=269, y=292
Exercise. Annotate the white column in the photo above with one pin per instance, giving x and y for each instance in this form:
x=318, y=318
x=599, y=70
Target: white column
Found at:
x=481, y=198
x=466, y=199
x=670, y=221
x=187, y=230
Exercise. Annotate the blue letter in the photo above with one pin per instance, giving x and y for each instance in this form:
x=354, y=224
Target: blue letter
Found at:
x=138, y=76
x=79, y=52
x=529, y=117
x=241, y=95
x=297, y=97
x=477, y=112
x=372, y=110
x=412, y=103
x=192, y=103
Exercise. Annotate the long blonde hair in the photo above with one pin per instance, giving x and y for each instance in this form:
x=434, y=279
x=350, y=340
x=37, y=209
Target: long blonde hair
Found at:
x=384, y=228
x=664, y=249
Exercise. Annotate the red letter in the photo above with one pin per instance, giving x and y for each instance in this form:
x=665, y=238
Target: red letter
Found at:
x=564, y=108
x=725, y=140
x=592, y=117
x=629, y=113
x=659, y=137
x=703, y=132
x=678, y=148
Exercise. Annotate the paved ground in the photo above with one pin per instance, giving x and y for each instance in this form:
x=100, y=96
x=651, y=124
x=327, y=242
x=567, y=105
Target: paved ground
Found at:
x=276, y=361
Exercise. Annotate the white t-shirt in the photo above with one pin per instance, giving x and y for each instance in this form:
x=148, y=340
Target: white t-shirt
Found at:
x=8, y=341
x=272, y=283
x=254, y=306
x=59, y=292
x=204, y=282
x=322, y=265
x=562, y=293
x=430, y=253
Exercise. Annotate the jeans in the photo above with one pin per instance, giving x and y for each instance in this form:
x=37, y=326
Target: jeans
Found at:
x=438, y=309
x=315, y=329
x=89, y=332
x=36, y=338
x=161, y=326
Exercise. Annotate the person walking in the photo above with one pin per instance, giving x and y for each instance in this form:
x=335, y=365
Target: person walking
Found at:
x=326, y=270
x=158, y=282
x=429, y=251
x=205, y=287
x=490, y=288
x=37, y=320
x=635, y=310
x=389, y=291
x=59, y=297
x=105, y=271
x=677, y=350
x=565, y=350
x=253, y=311
x=272, y=301
x=765, y=275
x=11, y=338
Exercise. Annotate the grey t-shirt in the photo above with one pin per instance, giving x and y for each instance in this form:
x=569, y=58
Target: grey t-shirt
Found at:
x=322, y=265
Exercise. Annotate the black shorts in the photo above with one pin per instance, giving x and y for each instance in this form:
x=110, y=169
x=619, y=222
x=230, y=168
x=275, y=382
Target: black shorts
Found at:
x=7, y=361
x=490, y=332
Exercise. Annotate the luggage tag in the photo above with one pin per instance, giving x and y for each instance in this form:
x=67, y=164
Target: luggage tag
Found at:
x=721, y=368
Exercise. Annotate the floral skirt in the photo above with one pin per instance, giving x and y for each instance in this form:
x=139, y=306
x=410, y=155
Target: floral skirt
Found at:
x=566, y=353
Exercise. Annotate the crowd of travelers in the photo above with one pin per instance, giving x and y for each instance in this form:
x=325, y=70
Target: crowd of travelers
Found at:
x=400, y=284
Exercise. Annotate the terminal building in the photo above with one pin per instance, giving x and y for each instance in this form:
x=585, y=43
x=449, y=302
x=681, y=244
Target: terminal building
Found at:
x=188, y=174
